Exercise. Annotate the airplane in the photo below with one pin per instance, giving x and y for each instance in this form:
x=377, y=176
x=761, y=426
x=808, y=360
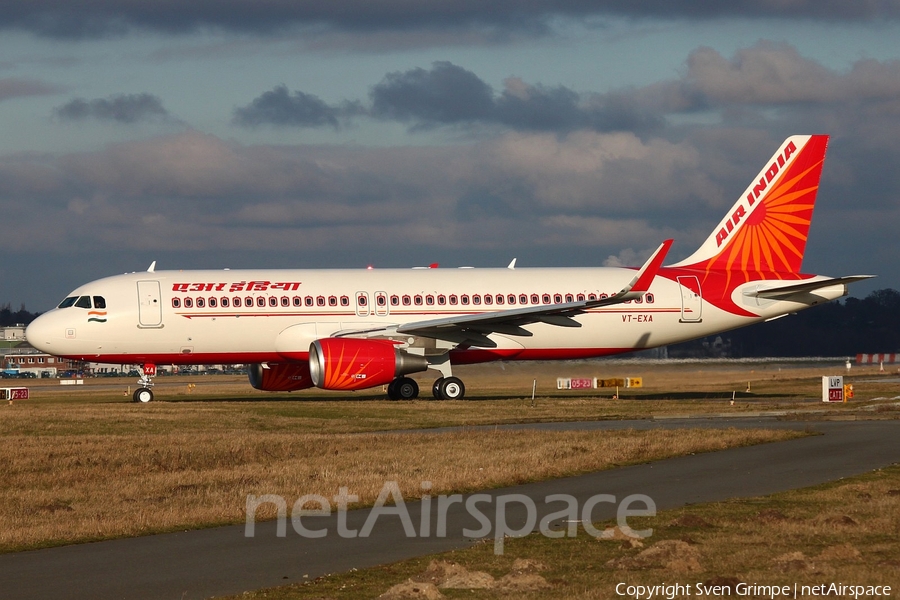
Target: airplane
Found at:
x=343, y=329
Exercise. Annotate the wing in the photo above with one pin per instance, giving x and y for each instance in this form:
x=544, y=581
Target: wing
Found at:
x=474, y=329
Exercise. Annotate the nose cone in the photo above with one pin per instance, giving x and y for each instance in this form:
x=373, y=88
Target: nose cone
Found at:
x=42, y=332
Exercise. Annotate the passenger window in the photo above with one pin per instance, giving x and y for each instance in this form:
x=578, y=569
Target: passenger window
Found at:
x=500, y=299
x=570, y=298
x=224, y=301
x=535, y=299
x=592, y=296
x=511, y=299
x=188, y=303
x=83, y=302
x=308, y=300
x=464, y=299
x=99, y=302
x=580, y=297
x=320, y=300
x=261, y=302
x=273, y=301
x=557, y=298
x=395, y=300
x=453, y=299
x=545, y=298
x=176, y=302
x=488, y=299
x=285, y=301
x=417, y=300
x=332, y=300
x=380, y=300
x=523, y=299
x=650, y=298
x=476, y=299
x=201, y=303
x=429, y=300
x=442, y=299
x=298, y=301
x=248, y=301
x=213, y=302
x=406, y=301
x=345, y=301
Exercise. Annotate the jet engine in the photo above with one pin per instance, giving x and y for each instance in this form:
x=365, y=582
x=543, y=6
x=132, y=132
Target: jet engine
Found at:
x=355, y=364
x=284, y=377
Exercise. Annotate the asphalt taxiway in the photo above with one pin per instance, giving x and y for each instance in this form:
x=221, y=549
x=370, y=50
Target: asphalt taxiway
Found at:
x=223, y=560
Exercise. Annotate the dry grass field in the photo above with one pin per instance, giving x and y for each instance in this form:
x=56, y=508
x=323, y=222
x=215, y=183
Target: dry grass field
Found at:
x=84, y=463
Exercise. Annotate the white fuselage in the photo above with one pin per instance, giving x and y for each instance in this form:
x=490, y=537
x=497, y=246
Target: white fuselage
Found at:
x=237, y=316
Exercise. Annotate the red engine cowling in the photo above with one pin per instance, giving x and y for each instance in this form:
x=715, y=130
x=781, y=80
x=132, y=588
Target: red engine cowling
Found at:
x=286, y=377
x=355, y=364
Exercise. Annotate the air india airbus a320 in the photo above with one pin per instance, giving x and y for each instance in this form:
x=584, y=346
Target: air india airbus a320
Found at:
x=356, y=329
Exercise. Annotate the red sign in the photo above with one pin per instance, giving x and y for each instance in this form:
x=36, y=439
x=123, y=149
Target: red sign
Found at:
x=581, y=384
x=149, y=369
x=14, y=394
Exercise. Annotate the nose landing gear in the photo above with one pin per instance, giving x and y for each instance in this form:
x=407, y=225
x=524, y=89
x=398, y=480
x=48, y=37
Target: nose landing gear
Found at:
x=144, y=394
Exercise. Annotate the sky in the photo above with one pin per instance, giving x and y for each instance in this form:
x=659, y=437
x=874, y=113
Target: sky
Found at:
x=399, y=133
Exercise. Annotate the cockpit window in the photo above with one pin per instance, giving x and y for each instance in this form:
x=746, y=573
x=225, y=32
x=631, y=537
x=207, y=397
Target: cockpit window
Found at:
x=83, y=302
x=68, y=302
x=99, y=302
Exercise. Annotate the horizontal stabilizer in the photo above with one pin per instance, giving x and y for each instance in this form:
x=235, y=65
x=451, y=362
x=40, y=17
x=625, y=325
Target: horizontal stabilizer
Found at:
x=780, y=293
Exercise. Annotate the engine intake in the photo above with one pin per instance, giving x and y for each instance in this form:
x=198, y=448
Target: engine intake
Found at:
x=355, y=364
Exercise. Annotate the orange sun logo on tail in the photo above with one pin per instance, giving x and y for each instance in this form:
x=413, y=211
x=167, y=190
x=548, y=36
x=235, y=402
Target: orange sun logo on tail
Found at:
x=764, y=235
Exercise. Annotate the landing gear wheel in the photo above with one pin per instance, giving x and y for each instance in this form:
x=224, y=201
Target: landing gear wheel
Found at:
x=403, y=388
x=452, y=388
x=436, y=389
x=407, y=388
x=143, y=395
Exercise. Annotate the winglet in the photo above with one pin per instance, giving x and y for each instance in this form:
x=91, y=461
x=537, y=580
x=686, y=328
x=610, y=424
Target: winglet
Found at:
x=152, y=268
x=643, y=279
x=511, y=266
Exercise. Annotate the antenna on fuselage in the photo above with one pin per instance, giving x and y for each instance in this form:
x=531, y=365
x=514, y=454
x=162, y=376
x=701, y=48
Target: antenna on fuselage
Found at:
x=512, y=266
x=152, y=268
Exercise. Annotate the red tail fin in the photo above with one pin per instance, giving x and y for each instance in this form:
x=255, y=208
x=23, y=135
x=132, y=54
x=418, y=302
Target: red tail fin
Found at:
x=765, y=232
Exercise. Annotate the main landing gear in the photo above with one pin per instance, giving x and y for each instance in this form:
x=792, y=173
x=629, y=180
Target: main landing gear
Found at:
x=445, y=388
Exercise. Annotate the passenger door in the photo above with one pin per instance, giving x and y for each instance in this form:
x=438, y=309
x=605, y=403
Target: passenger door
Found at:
x=149, y=304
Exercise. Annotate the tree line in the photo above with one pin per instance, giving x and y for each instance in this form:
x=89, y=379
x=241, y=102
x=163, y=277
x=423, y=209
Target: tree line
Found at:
x=841, y=328
x=9, y=317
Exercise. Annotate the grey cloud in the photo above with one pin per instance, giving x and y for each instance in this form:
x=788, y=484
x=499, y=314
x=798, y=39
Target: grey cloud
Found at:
x=83, y=19
x=758, y=85
x=768, y=75
x=279, y=107
x=449, y=95
x=125, y=108
x=445, y=94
